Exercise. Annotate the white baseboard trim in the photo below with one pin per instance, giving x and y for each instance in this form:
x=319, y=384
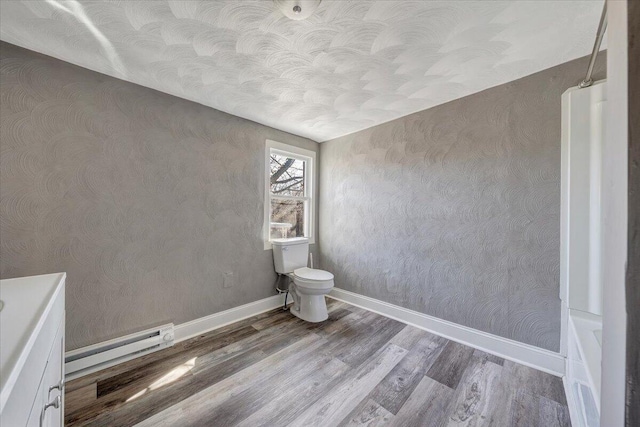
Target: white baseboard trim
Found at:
x=196, y=327
x=535, y=357
x=187, y=330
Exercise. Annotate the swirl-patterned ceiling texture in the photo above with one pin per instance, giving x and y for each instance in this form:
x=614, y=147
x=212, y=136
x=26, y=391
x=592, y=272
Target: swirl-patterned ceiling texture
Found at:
x=350, y=66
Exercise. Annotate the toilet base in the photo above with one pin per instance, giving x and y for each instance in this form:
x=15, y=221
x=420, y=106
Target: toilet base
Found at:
x=312, y=308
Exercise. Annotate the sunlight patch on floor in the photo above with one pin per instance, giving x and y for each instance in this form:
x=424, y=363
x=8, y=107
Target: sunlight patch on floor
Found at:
x=168, y=378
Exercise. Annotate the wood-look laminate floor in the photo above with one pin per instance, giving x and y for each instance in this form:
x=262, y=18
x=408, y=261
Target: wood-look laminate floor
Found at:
x=356, y=368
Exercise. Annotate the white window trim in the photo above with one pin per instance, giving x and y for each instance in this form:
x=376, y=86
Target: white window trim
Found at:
x=301, y=154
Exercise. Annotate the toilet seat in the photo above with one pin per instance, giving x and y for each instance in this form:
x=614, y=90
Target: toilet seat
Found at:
x=313, y=274
x=312, y=278
x=308, y=290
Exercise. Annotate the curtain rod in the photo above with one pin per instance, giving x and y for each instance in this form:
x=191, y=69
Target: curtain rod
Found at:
x=602, y=28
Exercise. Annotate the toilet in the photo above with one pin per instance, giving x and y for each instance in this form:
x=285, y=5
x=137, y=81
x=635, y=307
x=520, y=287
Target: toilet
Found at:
x=309, y=285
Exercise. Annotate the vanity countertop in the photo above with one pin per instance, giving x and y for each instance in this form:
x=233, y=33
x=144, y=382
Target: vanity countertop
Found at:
x=27, y=301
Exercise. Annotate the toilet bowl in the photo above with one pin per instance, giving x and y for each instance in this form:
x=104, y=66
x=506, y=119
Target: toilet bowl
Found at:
x=308, y=291
x=309, y=285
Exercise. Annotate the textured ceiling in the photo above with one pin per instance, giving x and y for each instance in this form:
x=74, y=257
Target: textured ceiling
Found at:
x=352, y=65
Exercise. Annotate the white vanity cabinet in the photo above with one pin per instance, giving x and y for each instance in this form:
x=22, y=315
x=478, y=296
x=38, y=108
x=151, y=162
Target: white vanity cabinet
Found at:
x=32, y=351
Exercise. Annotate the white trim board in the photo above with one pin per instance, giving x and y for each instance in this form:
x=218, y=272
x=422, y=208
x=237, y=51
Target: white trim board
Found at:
x=574, y=410
x=196, y=327
x=525, y=354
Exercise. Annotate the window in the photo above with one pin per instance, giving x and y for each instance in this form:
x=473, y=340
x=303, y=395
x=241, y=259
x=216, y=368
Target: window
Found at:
x=289, y=192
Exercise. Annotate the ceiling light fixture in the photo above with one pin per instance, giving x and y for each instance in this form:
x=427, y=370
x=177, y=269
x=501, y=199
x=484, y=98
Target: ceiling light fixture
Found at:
x=297, y=9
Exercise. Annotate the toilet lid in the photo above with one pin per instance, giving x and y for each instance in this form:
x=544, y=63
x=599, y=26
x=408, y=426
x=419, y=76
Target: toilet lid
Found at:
x=313, y=274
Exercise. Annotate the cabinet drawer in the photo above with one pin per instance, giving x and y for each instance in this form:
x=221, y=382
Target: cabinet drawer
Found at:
x=36, y=410
x=52, y=382
x=24, y=394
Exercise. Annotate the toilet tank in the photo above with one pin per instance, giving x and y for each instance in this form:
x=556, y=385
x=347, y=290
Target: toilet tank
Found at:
x=289, y=254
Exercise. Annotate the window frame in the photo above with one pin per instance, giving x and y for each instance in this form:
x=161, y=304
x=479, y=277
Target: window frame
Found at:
x=297, y=153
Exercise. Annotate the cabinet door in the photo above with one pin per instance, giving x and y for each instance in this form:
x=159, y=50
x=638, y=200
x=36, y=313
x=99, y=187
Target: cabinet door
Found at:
x=36, y=410
x=52, y=381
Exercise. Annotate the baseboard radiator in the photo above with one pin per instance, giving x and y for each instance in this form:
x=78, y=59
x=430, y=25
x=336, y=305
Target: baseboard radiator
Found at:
x=99, y=356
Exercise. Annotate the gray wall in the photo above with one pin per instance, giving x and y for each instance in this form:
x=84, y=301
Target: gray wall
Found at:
x=454, y=211
x=633, y=233
x=144, y=199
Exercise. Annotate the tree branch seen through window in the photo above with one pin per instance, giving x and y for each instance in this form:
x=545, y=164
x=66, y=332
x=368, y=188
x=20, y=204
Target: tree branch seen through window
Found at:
x=287, y=187
x=287, y=176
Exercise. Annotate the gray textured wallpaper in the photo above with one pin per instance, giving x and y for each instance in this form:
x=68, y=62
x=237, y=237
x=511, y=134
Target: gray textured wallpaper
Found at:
x=454, y=211
x=144, y=199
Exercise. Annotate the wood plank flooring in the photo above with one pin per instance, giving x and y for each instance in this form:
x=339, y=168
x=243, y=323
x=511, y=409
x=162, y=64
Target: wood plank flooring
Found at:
x=357, y=368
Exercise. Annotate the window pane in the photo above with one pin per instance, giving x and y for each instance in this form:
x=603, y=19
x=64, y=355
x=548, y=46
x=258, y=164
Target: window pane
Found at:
x=287, y=219
x=287, y=176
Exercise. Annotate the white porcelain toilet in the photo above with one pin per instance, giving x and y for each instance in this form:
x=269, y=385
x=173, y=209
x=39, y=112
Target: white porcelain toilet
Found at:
x=309, y=285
